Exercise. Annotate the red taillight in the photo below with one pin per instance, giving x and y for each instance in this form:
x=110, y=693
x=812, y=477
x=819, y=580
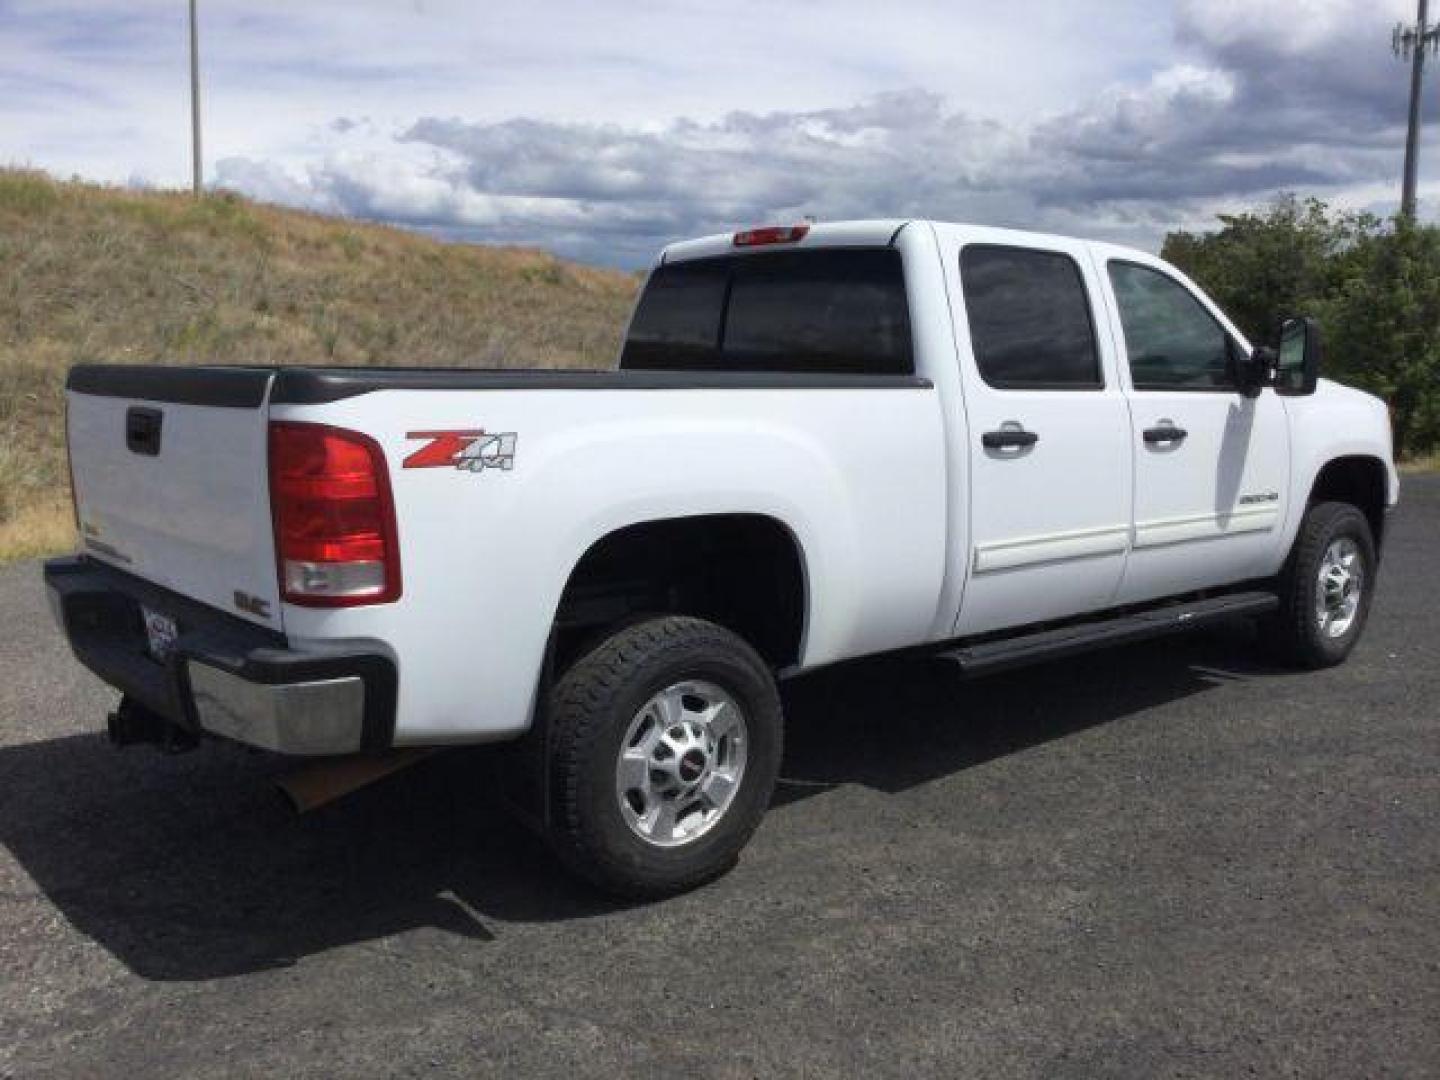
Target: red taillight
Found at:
x=771, y=234
x=335, y=539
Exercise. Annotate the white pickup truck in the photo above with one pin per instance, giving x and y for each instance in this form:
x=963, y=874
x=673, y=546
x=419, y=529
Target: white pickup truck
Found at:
x=823, y=442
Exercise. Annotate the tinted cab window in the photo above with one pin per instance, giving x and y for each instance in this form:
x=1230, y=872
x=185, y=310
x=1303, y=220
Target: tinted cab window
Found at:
x=1029, y=315
x=837, y=310
x=678, y=318
x=1171, y=340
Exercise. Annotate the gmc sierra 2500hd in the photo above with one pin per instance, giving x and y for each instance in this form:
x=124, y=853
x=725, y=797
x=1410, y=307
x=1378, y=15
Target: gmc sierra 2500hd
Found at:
x=823, y=442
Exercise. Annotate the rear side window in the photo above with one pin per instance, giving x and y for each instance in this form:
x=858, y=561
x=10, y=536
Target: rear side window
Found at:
x=1030, y=322
x=830, y=310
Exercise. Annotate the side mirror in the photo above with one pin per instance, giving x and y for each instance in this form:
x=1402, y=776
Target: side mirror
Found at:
x=1297, y=366
x=1258, y=371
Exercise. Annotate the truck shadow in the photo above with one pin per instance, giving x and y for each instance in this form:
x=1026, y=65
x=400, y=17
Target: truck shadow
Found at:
x=193, y=868
x=937, y=724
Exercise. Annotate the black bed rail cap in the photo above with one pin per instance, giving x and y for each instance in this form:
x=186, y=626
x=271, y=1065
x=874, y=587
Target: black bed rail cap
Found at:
x=314, y=386
x=221, y=387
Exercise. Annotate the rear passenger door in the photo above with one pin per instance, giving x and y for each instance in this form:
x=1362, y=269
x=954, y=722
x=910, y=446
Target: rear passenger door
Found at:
x=1049, y=483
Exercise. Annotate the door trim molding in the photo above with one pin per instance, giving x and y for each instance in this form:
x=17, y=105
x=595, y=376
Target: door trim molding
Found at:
x=1052, y=547
x=1179, y=530
x=1116, y=539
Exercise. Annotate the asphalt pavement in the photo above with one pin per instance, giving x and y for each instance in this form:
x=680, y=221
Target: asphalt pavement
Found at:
x=1166, y=860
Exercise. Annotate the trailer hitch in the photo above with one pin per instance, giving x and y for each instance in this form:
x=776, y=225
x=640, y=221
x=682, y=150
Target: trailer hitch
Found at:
x=132, y=723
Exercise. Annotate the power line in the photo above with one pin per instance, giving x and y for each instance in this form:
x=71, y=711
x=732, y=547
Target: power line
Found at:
x=1411, y=43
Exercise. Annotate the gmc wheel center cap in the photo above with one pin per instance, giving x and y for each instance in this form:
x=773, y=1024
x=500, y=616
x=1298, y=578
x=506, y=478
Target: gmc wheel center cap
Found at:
x=692, y=765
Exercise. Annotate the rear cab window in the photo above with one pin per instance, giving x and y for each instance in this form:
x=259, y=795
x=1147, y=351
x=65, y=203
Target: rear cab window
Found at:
x=819, y=310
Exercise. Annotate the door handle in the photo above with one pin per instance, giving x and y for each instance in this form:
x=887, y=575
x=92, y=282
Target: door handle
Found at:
x=1165, y=432
x=1008, y=437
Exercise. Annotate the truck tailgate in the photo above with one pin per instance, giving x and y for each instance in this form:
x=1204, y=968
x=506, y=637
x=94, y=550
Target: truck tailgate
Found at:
x=169, y=471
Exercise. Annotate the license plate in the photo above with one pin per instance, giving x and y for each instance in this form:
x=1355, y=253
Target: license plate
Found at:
x=160, y=633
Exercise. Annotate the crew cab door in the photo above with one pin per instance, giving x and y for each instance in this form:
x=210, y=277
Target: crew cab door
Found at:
x=1211, y=462
x=1049, y=456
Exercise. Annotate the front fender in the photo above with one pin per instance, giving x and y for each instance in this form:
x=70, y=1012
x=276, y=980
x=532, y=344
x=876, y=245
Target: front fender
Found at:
x=1334, y=422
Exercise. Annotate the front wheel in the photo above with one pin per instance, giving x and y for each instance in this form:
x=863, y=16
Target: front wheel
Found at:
x=1326, y=586
x=665, y=745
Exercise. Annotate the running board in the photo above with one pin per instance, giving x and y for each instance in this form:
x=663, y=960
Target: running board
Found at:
x=993, y=656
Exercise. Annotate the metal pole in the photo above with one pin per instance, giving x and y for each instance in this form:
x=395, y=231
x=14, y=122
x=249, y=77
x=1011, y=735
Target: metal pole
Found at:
x=1412, y=136
x=197, y=169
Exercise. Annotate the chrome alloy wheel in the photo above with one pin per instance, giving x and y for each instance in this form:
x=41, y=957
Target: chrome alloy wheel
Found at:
x=681, y=763
x=1340, y=585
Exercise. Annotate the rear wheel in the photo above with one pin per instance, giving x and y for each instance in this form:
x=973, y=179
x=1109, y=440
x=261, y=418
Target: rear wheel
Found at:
x=665, y=745
x=1326, y=586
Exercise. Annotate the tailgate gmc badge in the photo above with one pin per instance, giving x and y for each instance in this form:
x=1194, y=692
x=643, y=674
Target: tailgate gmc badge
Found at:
x=252, y=604
x=468, y=451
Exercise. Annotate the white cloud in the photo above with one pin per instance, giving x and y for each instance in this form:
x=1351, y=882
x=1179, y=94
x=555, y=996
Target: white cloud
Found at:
x=602, y=130
x=1290, y=29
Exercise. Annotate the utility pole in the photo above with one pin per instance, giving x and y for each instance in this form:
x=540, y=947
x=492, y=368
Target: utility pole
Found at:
x=197, y=167
x=1410, y=43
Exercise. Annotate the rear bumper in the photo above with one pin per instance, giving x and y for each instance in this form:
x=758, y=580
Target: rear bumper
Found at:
x=223, y=676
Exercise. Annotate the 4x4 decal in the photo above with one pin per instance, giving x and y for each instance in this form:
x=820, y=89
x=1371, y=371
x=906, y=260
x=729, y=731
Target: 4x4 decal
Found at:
x=470, y=451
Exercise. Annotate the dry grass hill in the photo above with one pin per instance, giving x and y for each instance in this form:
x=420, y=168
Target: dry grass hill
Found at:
x=90, y=273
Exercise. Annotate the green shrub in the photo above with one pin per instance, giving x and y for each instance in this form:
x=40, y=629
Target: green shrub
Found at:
x=1374, y=285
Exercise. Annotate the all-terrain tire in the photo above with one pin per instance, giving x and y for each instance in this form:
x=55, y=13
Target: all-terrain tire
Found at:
x=1297, y=632
x=592, y=708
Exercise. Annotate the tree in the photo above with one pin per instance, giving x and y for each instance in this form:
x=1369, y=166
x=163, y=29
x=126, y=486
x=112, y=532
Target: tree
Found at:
x=1382, y=329
x=1374, y=286
x=1262, y=267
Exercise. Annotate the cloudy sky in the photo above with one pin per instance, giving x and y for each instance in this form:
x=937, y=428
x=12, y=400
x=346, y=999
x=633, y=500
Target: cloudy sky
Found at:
x=602, y=129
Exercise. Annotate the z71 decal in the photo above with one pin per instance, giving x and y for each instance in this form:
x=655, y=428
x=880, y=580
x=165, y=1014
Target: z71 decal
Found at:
x=469, y=451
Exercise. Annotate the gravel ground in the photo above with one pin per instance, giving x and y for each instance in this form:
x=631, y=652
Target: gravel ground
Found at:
x=1165, y=860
